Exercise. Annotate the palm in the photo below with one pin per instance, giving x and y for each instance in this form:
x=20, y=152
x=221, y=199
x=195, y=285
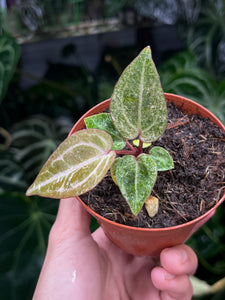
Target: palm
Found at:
x=128, y=277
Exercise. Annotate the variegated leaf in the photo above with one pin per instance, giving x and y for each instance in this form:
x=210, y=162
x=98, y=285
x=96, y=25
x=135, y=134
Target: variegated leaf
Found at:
x=162, y=158
x=136, y=178
x=104, y=122
x=113, y=169
x=138, y=106
x=77, y=165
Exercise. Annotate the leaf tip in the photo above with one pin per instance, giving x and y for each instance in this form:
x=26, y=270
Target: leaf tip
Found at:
x=30, y=191
x=147, y=49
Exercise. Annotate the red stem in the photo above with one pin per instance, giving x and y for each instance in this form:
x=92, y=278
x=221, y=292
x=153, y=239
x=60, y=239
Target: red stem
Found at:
x=126, y=152
x=130, y=146
x=134, y=150
x=140, y=147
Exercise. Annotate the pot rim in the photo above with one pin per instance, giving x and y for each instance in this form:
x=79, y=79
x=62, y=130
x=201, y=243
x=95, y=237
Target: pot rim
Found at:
x=168, y=96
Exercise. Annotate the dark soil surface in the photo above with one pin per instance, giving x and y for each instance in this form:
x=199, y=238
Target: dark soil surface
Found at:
x=195, y=184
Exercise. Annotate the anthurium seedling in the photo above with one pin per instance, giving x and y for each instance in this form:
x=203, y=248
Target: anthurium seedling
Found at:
x=137, y=117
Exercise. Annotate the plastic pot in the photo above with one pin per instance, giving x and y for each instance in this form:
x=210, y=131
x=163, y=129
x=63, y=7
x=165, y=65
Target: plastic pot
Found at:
x=151, y=241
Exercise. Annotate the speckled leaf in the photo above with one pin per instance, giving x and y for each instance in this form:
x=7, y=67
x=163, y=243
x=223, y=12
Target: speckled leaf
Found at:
x=136, y=179
x=77, y=165
x=138, y=106
x=162, y=158
x=104, y=122
x=113, y=169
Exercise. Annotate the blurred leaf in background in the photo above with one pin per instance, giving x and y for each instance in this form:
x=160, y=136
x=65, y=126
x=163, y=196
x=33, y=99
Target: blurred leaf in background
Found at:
x=205, y=35
x=9, y=55
x=31, y=143
x=11, y=173
x=208, y=243
x=24, y=229
x=181, y=75
x=34, y=140
x=25, y=222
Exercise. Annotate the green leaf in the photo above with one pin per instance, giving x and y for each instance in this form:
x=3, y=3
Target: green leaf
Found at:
x=162, y=158
x=24, y=230
x=113, y=169
x=77, y=165
x=33, y=141
x=9, y=55
x=104, y=122
x=138, y=106
x=136, y=178
x=11, y=173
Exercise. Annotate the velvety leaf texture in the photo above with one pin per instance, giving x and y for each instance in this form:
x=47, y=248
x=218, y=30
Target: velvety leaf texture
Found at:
x=104, y=122
x=138, y=106
x=136, y=179
x=77, y=165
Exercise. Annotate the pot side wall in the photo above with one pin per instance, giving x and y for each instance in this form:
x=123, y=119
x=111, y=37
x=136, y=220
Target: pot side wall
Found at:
x=151, y=241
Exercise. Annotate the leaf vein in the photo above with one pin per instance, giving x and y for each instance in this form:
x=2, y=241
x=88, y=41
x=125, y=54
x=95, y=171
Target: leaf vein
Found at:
x=65, y=173
x=141, y=96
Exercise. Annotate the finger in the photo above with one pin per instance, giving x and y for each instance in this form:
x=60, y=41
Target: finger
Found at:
x=172, y=287
x=72, y=221
x=179, y=260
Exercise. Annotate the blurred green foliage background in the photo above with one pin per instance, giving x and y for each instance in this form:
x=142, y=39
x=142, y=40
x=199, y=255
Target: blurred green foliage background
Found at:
x=33, y=121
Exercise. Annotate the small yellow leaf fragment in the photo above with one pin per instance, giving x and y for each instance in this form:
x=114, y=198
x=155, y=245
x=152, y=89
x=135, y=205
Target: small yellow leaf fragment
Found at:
x=152, y=206
x=145, y=145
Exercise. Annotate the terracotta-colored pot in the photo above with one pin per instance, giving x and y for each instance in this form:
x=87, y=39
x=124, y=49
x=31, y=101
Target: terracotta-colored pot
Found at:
x=150, y=241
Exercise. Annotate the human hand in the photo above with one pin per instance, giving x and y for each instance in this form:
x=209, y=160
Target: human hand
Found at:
x=82, y=266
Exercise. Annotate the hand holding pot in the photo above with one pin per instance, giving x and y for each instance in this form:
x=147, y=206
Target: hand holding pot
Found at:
x=82, y=266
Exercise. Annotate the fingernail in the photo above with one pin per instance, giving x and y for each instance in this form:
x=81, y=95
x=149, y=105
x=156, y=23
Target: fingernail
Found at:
x=168, y=276
x=182, y=254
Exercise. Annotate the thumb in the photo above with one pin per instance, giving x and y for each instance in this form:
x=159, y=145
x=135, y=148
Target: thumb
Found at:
x=72, y=220
x=70, y=227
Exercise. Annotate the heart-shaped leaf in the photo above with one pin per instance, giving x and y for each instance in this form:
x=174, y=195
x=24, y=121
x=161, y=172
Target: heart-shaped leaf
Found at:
x=138, y=105
x=77, y=165
x=136, y=178
x=104, y=122
x=162, y=158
